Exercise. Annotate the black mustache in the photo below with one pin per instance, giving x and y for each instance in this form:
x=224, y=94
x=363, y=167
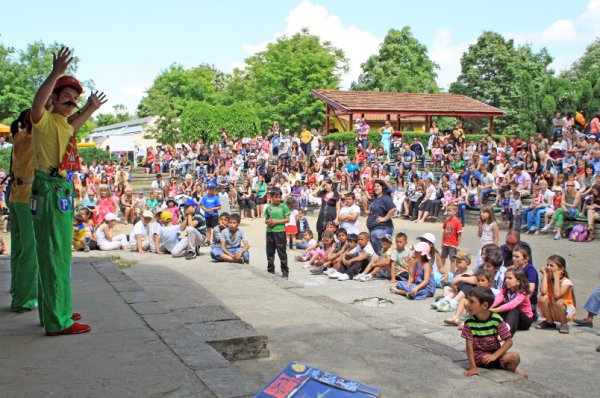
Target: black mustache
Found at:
x=70, y=103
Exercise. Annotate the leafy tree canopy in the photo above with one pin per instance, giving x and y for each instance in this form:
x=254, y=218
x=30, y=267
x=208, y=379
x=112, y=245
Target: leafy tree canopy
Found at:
x=279, y=80
x=401, y=65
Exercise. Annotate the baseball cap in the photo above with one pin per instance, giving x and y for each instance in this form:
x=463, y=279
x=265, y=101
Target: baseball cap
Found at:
x=211, y=185
x=463, y=256
x=190, y=202
x=429, y=237
x=166, y=216
x=70, y=81
x=147, y=214
x=387, y=237
x=111, y=217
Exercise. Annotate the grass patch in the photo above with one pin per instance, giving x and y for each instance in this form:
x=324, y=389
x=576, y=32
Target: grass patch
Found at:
x=121, y=262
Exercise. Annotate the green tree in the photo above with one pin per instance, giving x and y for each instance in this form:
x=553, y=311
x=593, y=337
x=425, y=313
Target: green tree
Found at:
x=119, y=115
x=22, y=72
x=203, y=120
x=513, y=79
x=402, y=65
x=279, y=80
x=172, y=89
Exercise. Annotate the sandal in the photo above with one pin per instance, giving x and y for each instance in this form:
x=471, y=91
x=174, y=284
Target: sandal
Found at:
x=452, y=321
x=564, y=329
x=545, y=325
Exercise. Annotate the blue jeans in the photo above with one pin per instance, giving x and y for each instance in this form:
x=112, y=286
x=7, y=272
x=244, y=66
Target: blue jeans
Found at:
x=535, y=215
x=216, y=252
x=484, y=193
x=376, y=235
x=593, y=303
x=462, y=213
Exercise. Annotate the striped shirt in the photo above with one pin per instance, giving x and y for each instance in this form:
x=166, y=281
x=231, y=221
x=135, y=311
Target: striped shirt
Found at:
x=486, y=334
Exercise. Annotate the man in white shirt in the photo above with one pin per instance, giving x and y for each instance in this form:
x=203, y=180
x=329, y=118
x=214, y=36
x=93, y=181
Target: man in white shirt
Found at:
x=348, y=216
x=487, y=185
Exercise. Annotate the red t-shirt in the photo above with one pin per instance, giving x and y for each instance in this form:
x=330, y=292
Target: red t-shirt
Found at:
x=452, y=227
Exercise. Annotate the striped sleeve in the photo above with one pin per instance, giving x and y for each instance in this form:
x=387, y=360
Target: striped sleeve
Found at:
x=466, y=332
x=504, y=331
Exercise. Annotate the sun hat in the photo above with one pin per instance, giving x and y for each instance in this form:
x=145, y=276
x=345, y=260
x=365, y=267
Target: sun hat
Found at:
x=147, y=214
x=111, y=217
x=423, y=248
x=428, y=236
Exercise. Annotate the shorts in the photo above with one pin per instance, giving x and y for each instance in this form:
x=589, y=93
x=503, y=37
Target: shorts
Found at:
x=260, y=201
x=216, y=252
x=212, y=221
x=497, y=364
x=291, y=229
x=448, y=251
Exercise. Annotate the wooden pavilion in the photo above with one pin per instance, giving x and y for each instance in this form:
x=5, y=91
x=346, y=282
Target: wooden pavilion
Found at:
x=360, y=104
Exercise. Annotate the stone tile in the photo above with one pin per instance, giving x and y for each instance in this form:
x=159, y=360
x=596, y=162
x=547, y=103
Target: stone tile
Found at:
x=227, y=382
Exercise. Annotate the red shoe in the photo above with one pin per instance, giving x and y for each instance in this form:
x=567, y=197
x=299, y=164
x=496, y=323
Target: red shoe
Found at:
x=76, y=316
x=75, y=328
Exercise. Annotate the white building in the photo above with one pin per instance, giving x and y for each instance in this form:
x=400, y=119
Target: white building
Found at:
x=125, y=136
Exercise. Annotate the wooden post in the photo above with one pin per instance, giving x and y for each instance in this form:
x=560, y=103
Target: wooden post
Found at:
x=398, y=122
x=491, y=125
x=326, y=118
x=351, y=123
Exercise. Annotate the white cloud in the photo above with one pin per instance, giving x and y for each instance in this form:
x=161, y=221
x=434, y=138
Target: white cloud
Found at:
x=592, y=12
x=357, y=44
x=135, y=90
x=447, y=56
x=563, y=31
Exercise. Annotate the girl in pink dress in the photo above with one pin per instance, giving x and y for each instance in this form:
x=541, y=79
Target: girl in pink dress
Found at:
x=106, y=204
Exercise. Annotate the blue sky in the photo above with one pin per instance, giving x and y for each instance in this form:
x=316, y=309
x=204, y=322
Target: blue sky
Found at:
x=123, y=45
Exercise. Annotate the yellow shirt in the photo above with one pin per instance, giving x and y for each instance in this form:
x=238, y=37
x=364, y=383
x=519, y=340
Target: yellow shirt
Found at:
x=305, y=136
x=50, y=139
x=22, y=169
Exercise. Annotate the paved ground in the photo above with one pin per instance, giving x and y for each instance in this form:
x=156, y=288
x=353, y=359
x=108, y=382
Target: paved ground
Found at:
x=396, y=346
x=402, y=347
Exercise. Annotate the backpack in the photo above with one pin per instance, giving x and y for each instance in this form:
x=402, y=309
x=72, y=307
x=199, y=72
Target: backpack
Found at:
x=578, y=234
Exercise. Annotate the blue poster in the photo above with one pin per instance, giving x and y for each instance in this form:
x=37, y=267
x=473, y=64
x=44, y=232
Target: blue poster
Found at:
x=302, y=381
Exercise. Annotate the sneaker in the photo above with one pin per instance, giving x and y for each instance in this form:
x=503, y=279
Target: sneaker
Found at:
x=335, y=275
x=545, y=229
x=299, y=258
x=367, y=278
x=359, y=277
x=285, y=275
x=557, y=236
x=86, y=249
x=190, y=255
x=532, y=230
x=329, y=271
x=317, y=271
x=438, y=303
x=75, y=328
x=343, y=277
x=445, y=307
x=306, y=265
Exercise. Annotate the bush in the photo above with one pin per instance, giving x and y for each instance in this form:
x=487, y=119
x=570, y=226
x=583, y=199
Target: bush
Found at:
x=93, y=154
x=373, y=137
x=5, y=155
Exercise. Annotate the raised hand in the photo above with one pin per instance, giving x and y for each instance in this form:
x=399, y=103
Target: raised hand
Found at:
x=61, y=61
x=96, y=100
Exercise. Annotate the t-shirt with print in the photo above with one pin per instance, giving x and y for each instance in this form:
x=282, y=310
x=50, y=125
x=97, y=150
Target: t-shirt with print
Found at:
x=486, y=334
x=279, y=212
x=155, y=228
x=452, y=227
x=400, y=259
x=233, y=240
x=209, y=202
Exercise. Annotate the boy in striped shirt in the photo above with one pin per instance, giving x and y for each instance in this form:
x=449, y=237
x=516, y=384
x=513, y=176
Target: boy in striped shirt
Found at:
x=483, y=331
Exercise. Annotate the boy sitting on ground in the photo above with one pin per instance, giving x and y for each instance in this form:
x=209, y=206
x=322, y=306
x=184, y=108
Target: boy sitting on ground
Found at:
x=360, y=257
x=234, y=244
x=484, y=348
x=400, y=257
x=139, y=239
x=306, y=242
x=379, y=266
x=460, y=285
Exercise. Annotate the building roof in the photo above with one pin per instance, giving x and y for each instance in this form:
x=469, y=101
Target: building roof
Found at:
x=128, y=127
x=406, y=104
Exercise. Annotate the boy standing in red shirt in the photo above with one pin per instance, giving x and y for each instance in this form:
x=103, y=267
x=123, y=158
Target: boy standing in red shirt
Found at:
x=452, y=235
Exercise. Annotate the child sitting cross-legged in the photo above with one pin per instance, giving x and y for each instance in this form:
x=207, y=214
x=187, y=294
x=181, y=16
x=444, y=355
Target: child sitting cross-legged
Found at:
x=306, y=242
x=81, y=238
x=484, y=348
x=400, y=257
x=356, y=257
x=234, y=244
x=329, y=260
x=316, y=259
x=381, y=265
x=421, y=283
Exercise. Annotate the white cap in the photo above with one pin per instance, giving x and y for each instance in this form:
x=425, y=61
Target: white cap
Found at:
x=147, y=214
x=111, y=217
x=429, y=237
